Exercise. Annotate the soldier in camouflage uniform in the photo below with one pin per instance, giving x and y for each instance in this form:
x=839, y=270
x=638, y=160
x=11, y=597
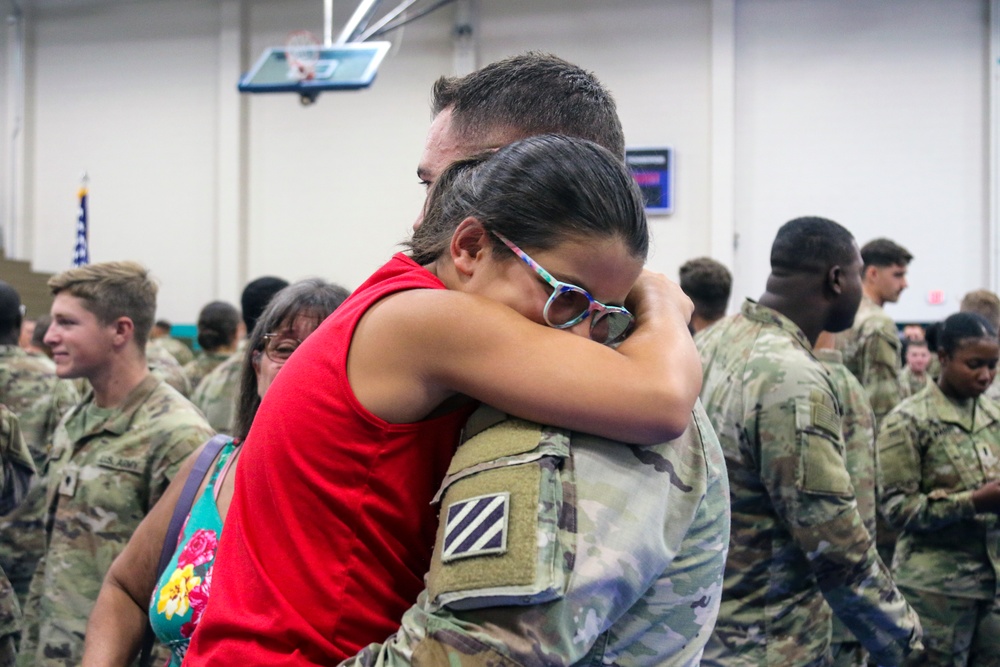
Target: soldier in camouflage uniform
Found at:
x=871, y=347
x=799, y=544
x=160, y=336
x=629, y=571
x=916, y=374
x=218, y=332
x=39, y=399
x=16, y=471
x=112, y=455
x=216, y=394
x=858, y=426
x=940, y=466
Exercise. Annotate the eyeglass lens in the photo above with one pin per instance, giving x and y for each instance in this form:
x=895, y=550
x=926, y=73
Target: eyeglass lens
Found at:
x=280, y=349
x=570, y=305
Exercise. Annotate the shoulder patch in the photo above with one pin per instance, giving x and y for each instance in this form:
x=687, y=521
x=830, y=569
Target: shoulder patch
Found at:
x=476, y=527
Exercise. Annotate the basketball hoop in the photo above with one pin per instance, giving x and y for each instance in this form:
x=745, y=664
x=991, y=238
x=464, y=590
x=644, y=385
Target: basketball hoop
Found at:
x=302, y=50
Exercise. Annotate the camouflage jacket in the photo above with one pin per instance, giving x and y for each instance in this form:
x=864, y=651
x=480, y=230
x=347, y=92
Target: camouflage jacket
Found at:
x=178, y=350
x=29, y=386
x=797, y=534
x=163, y=365
x=203, y=364
x=858, y=426
x=16, y=468
x=102, y=482
x=616, y=558
x=910, y=384
x=933, y=457
x=216, y=394
x=872, y=351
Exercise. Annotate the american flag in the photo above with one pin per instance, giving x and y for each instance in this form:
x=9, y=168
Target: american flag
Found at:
x=82, y=254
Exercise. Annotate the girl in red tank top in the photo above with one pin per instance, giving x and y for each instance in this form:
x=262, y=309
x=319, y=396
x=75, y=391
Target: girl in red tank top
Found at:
x=331, y=525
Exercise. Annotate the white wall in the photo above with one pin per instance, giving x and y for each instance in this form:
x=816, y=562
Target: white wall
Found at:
x=873, y=114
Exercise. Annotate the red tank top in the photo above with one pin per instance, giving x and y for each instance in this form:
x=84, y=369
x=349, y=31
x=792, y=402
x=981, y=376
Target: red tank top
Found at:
x=331, y=527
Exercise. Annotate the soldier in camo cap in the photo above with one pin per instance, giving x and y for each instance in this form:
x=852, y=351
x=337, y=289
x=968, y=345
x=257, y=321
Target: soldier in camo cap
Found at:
x=112, y=455
x=940, y=470
x=871, y=347
x=799, y=544
x=39, y=399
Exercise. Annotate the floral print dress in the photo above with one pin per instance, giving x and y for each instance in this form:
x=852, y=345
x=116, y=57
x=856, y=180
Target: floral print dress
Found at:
x=181, y=594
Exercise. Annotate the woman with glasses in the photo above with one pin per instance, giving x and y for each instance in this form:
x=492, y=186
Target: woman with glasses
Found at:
x=131, y=597
x=518, y=250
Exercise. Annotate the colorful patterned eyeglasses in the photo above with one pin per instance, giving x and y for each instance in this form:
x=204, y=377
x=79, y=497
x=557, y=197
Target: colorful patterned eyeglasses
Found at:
x=569, y=304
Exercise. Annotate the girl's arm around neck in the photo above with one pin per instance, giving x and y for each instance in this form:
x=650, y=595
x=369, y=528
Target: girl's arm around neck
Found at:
x=414, y=349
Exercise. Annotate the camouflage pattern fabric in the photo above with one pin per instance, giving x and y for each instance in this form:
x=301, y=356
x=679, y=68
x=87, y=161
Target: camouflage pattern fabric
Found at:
x=910, y=383
x=798, y=537
x=178, y=350
x=993, y=392
x=29, y=386
x=630, y=575
x=872, y=351
x=203, y=364
x=163, y=366
x=216, y=395
x=858, y=427
x=934, y=453
x=103, y=479
x=13, y=455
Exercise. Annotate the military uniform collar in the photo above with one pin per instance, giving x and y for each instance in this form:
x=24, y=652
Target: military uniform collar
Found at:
x=12, y=351
x=121, y=420
x=758, y=313
x=986, y=412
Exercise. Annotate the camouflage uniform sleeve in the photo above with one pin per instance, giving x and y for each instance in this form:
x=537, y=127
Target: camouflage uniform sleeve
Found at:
x=32, y=621
x=16, y=463
x=802, y=464
x=880, y=366
x=902, y=502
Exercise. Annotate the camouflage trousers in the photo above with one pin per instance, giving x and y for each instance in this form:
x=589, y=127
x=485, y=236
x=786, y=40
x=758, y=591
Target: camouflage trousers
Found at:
x=957, y=631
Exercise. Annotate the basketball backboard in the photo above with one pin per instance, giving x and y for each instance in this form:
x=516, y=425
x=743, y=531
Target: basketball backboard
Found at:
x=349, y=66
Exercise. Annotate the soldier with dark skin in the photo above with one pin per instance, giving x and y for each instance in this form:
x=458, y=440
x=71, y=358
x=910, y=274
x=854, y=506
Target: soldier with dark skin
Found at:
x=940, y=471
x=799, y=544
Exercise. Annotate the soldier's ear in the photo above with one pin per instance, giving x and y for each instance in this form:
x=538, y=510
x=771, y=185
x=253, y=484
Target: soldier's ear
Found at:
x=835, y=280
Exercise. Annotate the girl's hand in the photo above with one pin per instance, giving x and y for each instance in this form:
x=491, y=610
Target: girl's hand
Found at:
x=655, y=293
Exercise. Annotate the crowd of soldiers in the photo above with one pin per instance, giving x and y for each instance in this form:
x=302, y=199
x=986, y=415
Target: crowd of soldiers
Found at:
x=803, y=389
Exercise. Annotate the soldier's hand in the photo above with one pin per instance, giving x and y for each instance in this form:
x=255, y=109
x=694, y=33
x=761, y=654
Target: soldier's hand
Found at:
x=987, y=497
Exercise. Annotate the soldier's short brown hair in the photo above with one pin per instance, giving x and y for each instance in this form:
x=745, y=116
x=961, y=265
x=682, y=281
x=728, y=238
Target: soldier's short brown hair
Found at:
x=883, y=252
x=982, y=302
x=708, y=284
x=111, y=290
x=528, y=94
